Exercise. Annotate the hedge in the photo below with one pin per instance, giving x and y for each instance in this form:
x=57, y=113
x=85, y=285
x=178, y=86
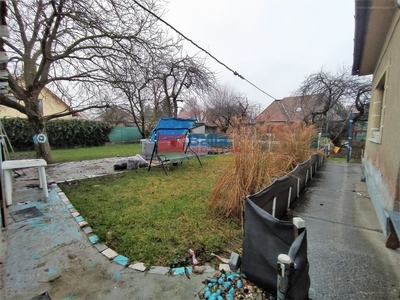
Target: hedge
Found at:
x=60, y=133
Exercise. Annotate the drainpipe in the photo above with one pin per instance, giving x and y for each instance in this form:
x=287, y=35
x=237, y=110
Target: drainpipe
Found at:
x=350, y=136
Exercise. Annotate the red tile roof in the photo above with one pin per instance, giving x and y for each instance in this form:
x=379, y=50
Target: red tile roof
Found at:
x=290, y=109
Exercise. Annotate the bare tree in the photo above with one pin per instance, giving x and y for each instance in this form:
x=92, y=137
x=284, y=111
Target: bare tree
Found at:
x=114, y=115
x=180, y=77
x=224, y=105
x=325, y=96
x=194, y=109
x=56, y=43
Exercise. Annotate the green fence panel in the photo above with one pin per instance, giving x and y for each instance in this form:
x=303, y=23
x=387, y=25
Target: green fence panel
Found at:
x=125, y=134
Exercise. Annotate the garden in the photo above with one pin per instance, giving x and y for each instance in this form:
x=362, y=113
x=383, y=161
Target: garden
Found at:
x=155, y=219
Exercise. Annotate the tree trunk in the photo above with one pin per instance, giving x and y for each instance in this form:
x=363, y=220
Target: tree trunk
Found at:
x=44, y=151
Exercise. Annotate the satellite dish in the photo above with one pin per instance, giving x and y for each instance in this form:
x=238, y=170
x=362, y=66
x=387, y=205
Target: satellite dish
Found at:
x=41, y=138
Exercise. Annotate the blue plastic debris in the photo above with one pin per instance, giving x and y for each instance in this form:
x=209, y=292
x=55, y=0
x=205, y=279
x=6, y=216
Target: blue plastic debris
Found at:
x=181, y=270
x=239, y=284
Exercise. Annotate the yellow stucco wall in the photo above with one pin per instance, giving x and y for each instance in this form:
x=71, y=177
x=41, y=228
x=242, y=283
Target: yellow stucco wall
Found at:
x=51, y=105
x=382, y=159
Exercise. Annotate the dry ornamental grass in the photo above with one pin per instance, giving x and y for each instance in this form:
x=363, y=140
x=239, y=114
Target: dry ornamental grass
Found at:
x=261, y=153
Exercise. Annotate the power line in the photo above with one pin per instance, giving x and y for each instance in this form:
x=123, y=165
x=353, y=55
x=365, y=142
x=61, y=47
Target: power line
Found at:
x=202, y=49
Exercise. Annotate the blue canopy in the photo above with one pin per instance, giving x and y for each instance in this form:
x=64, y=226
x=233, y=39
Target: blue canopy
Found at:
x=172, y=126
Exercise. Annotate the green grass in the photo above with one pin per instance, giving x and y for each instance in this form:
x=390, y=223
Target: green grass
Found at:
x=343, y=159
x=65, y=155
x=154, y=218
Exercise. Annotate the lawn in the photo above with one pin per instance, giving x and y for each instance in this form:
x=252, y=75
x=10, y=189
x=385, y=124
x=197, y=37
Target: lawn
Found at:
x=154, y=218
x=65, y=155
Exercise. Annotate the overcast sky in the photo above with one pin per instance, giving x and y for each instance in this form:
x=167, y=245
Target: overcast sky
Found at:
x=274, y=44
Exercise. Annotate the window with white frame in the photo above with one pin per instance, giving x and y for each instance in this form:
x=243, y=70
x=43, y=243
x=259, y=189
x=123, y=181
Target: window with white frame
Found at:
x=377, y=108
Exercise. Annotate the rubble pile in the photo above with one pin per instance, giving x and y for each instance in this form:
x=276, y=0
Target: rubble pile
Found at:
x=230, y=286
x=131, y=163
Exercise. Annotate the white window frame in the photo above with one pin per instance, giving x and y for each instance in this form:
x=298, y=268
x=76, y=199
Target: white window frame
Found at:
x=378, y=109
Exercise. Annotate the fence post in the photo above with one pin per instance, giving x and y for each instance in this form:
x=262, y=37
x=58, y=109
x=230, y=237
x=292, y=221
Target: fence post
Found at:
x=288, y=200
x=274, y=207
x=299, y=226
x=284, y=267
x=307, y=176
x=298, y=187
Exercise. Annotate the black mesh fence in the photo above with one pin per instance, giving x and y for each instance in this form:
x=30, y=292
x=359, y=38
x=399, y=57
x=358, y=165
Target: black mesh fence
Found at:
x=266, y=235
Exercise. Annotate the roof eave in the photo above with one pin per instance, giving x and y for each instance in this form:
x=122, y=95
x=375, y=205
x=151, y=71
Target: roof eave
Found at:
x=362, y=10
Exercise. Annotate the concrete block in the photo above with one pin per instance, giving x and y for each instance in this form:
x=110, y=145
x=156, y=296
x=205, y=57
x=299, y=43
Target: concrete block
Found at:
x=159, y=270
x=138, y=267
x=87, y=229
x=93, y=239
x=82, y=224
x=79, y=219
x=75, y=214
x=109, y=253
x=69, y=206
x=121, y=260
x=100, y=247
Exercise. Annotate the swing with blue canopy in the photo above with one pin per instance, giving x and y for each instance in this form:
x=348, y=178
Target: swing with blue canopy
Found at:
x=171, y=138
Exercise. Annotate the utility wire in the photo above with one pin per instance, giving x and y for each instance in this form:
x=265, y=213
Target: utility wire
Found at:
x=202, y=49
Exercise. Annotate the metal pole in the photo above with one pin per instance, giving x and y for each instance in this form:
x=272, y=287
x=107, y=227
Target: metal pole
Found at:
x=350, y=136
x=319, y=140
x=284, y=267
x=299, y=226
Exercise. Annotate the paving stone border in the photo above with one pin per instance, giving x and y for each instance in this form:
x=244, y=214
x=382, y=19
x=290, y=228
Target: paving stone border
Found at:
x=109, y=253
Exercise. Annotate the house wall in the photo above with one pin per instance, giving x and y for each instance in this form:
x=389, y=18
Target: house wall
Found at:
x=381, y=163
x=51, y=105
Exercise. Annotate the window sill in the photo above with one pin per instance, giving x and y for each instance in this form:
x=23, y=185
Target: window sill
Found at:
x=374, y=140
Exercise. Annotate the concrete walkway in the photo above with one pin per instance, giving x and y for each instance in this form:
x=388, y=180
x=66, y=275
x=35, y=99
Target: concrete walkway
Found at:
x=51, y=252
x=348, y=259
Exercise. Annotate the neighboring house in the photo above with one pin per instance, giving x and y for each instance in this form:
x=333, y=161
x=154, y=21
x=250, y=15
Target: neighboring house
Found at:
x=50, y=104
x=293, y=109
x=376, y=51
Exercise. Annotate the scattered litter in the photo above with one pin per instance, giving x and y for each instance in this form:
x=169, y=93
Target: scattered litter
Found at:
x=187, y=273
x=224, y=267
x=35, y=256
x=224, y=260
x=181, y=271
x=116, y=276
x=199, y=269
x=194, y=260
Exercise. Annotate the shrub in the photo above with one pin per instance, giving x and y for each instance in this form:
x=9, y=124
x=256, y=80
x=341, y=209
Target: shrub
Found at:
x=61, y=133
